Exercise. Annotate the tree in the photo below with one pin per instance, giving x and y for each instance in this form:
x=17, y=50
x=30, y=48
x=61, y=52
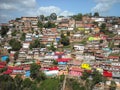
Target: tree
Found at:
x=33, y=86
x=55, y=62
x=26, y=83
x=95, y=23
x=73, y=84
x=68, y=33
x=16, y=55
x=34, y=70
x=42, y=45
x=14, y=33
x=41, y=18
x=18, y=82
x=52, y=47
x=62, y=35
x=41, y=77
x=77, y=17
x=88, y=84
x=3, y=69
x=49, y=25
x=9, y=85
x=113, y=85
x=4, y=30
x=15, y=44
x=50, y=84
x=53, y=16
x=35, y=44
x=96, y=14
x=103, y=26
x=97, y=77
x=6, y=83
x=85, y=75
x=40, y=24
x=47, y=18
x=23, y=36
x=18, y=19
x=65, y=41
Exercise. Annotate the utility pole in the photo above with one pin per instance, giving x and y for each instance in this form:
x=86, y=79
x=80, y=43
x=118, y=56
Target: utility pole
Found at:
x=64, y=82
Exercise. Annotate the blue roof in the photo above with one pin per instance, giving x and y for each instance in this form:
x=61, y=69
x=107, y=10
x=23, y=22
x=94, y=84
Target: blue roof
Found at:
x=4, y=58
x=27, y=74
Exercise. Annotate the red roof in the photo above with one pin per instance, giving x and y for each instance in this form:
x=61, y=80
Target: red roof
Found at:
x=107, y=73
x=113, y=57
x=59, y=53
x=2, y=66
x=15, y=68
x=7, y=72
x=76, y=69
x=54, y=68
x=89, y=26
x=64, y=59
x=3, y=63
x=96, y=35
x=11, y=55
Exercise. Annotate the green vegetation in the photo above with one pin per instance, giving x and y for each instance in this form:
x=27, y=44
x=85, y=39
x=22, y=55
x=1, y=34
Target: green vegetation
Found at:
x=64, y=40
x=7, y=83
x=77, y=17
x=103, y=26
x=18, y=82
x=49, y=25
x=50, y=84
x=15, y=44
x=111, y=44
x=85, y=75
x=23, y=37
x=4, y=30
x=96, y=14
x=35, y=44
x=109, y=33
x=73, y=84
x=3, y=69
x=52, y=47
x=53, y=16
x=34, y=69
x=55, y=62
x=41, y=18
x=91, y=79
x=27, y=83
x=114, y=54
x=40, y=24
x=83, y=42
x=68, y=33
x=87, y=82
x=95, y=23
x=16, y=55
x=14, y=33
x=113, y=85
x=36, y=74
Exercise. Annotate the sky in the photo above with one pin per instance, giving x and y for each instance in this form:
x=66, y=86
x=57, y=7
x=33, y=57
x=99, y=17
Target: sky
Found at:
x=11, y=9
